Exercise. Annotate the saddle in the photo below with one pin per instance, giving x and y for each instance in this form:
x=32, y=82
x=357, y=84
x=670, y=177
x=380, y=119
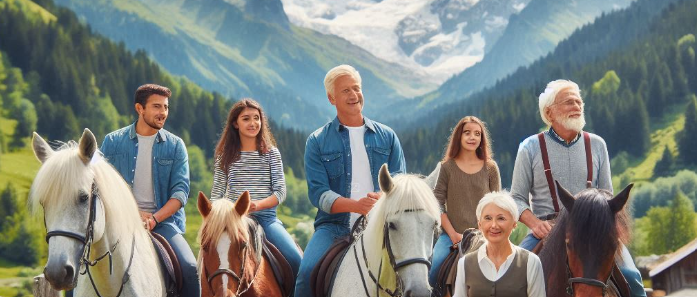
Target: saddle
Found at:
x=170, y=264
x=324, y=273
x=448, y=270
x=282, y=271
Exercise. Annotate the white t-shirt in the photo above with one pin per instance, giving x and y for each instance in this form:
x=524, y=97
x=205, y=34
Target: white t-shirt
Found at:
x=361, y=180
x=142, y=182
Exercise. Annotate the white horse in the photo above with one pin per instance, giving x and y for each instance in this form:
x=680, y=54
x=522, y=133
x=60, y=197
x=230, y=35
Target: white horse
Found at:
x=391, y=257
x=93, y=224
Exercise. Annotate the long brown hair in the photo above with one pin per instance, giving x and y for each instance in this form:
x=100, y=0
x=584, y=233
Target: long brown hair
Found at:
x=229, y=145
x=484, y=151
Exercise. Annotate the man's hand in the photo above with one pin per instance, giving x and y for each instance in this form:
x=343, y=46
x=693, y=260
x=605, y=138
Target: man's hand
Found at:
x=252, y=206
x=540, y=229
x=365, y=204
x=455, y=237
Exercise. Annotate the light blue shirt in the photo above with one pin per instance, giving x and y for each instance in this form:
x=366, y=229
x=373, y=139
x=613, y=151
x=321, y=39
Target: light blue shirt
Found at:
x=328, y=165
x=170, y=167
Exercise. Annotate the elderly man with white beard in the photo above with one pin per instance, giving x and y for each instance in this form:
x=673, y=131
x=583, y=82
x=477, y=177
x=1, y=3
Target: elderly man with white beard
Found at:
x=566, y=153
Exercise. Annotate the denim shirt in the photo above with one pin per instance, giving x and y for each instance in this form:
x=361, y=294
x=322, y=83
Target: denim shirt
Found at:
x=170, y=167
x=328, y=164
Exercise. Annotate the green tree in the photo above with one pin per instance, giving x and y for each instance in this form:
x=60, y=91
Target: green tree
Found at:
x=687, y=143
x=664, y=166
x=671, y=227
x=201, y=177
x=609, y=84
x=8, y=205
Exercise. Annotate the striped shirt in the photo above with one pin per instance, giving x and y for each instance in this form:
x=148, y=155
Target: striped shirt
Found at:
x=261, y=175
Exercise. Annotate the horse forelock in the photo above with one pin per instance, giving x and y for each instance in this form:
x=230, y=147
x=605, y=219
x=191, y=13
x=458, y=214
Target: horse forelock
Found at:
x=409, y=193
x=592, y=218
x=223, y=219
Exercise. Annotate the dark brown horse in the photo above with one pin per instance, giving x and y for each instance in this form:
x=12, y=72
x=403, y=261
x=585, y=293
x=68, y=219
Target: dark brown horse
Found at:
x=579, y=255
x=231, y=262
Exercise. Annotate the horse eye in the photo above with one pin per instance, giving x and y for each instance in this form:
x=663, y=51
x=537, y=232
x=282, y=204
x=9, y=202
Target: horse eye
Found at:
x=84, y=197
x=392, y=226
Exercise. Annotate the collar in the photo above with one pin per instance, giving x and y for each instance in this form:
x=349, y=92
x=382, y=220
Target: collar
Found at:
x=366, y=121
x=132, y=133
x=561, y=140
x=481, y=253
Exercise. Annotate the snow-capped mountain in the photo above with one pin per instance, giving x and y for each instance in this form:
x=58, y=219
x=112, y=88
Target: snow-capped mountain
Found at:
x=438, y=37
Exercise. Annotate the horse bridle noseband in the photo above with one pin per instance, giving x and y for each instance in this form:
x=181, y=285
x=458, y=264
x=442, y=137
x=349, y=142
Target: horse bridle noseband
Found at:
x=583, y=280
x=87, y=241
x=238, y=278
x=393, y=263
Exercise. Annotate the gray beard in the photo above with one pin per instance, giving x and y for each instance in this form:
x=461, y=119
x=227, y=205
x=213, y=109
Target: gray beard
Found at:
x=574, y=124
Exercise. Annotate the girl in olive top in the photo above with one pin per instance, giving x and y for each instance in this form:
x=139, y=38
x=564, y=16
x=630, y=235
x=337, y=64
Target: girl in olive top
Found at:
x=467, y=173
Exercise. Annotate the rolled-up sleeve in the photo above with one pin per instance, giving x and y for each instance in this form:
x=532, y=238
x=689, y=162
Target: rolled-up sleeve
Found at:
x=522, y=179
x=317, y=180
x=179, y=179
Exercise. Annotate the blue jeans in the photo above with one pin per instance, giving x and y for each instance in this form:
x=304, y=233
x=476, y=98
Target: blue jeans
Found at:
x=626, y=265
x=279, y=237
x=191, y=285
x=325, y=234
x=440, y=252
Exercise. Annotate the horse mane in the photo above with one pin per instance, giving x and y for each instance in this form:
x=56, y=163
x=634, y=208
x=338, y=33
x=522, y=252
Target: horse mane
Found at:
x=64, y=174
x=410, y=192
x=594, y=233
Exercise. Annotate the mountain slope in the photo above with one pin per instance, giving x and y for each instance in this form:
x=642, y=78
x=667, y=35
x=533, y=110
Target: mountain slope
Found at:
x=247, y=48
x=531, y=34
x=438, y=37
x=643, y=49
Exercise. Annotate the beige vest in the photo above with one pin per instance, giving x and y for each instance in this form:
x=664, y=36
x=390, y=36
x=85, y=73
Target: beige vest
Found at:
x=513, y=283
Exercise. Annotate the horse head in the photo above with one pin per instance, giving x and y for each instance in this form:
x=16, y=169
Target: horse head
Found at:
x=228, y=259
x=595, y=226
x=402, y=226
x=65, y=187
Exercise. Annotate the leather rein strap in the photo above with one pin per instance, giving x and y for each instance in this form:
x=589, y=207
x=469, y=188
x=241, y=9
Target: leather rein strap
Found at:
x=548, y=170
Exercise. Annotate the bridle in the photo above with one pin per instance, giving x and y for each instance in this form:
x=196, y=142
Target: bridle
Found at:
x=87, y=241
x=393, y=263
x=583, y=280
x=238, y=278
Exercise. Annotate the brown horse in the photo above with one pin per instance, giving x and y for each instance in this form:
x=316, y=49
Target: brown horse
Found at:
x=579, y=254
x=231, y=262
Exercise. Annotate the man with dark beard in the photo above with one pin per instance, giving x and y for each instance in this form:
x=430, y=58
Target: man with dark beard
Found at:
x=155, y=164
x=565, y=153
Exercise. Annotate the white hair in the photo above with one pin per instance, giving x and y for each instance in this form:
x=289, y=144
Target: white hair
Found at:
x=501, y=199
x=338, y=71
x=550, y=93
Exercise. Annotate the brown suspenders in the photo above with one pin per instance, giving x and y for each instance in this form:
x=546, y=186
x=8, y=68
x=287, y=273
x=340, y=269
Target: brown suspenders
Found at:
x=548, y=170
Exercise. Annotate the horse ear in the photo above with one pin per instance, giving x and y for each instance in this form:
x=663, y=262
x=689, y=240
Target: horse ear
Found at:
x=243, y=203
x=42, y=150
x=566, y=198
x=385, y=180
x=204, y=205
x=618, y=202
x=87, y=147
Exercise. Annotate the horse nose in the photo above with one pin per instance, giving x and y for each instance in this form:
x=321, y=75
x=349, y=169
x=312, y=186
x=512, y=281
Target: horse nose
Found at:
x=414, y=293
x=60, y=276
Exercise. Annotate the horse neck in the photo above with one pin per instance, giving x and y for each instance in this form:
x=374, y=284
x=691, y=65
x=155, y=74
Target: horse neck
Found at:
x=380, y=266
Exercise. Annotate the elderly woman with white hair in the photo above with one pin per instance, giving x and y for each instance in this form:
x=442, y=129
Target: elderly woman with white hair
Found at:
x=499, y=268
